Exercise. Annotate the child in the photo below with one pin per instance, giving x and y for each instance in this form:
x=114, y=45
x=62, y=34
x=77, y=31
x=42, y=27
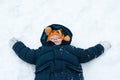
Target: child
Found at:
x=56, y=59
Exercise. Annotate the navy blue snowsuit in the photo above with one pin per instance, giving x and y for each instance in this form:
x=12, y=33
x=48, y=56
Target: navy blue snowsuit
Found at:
x=57, y=62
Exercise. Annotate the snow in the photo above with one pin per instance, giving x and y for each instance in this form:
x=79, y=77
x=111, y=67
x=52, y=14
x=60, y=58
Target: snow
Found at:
x=91, y=21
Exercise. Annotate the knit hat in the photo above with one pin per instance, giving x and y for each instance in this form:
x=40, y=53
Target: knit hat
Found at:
x=49, y=32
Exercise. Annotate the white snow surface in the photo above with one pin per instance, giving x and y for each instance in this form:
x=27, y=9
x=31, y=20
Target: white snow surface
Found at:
x=90, y=21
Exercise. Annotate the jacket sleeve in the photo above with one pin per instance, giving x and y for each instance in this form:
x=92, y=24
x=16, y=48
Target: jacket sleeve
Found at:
x=86, y=55
x=25, y=53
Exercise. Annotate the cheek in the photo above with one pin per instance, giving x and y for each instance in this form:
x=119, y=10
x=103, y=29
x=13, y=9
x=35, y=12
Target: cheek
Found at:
x=60, y=40
x=51, y=39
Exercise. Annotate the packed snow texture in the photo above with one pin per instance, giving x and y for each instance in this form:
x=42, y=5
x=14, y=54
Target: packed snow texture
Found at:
x=91, y=21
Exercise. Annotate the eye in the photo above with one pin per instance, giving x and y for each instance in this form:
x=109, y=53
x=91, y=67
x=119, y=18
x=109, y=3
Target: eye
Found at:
x=58, y=37
x=51, y=38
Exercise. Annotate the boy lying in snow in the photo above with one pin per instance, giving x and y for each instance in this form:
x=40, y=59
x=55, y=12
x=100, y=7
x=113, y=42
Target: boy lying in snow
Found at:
x=56, y=59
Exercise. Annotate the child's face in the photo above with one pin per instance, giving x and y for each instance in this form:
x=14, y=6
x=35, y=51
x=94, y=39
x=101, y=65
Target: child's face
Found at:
x=56, y=39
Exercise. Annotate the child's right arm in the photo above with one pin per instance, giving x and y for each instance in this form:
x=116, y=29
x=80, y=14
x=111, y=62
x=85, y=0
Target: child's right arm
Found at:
x=25, y=53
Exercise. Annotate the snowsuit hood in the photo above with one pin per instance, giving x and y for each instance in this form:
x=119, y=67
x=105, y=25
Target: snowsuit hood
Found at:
x=65, y=30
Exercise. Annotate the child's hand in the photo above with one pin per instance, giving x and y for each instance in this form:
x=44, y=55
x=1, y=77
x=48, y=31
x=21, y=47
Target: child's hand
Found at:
x=13, y=41
x=106, y=45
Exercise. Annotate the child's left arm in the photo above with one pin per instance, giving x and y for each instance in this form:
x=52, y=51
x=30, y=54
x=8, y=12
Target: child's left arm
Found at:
x=86, y=55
